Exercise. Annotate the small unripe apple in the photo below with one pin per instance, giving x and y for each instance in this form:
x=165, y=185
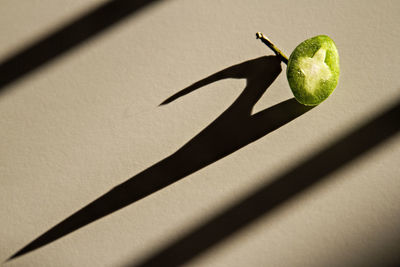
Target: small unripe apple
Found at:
x=313, y=70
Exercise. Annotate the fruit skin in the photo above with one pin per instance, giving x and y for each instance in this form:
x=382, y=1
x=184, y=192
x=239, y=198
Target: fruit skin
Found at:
x=298, y=81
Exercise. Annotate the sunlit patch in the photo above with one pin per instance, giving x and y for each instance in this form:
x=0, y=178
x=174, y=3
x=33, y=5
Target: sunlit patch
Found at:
x=315, y=70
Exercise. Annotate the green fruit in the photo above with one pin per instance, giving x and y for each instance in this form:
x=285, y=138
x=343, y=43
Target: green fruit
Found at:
x=313, y=70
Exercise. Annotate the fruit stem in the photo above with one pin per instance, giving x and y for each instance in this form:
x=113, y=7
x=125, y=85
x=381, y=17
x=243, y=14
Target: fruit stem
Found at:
x=276, y=50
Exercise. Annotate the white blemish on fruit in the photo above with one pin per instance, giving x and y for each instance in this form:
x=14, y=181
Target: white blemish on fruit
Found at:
x=314, y=69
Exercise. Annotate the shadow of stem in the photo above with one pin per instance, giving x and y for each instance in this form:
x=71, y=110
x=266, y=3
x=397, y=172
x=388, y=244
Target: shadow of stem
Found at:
x=234, y=128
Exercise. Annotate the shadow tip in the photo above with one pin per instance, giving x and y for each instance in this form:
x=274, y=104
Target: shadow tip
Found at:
x=165, y=102
x=12, y=257
x=20, y=252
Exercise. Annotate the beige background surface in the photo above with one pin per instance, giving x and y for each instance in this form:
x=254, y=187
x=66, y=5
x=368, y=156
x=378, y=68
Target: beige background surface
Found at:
x=89, y=120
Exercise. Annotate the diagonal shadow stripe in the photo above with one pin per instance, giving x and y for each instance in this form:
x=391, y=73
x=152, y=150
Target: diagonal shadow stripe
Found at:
x=66, y=38
x=284, y=187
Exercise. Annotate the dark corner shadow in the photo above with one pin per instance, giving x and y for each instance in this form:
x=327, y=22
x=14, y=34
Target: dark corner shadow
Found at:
x=66, y=38
x=233, y=129
x=282, y=188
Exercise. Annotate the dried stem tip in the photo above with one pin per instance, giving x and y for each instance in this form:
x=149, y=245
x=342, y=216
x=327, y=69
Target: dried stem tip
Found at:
x=276, y=50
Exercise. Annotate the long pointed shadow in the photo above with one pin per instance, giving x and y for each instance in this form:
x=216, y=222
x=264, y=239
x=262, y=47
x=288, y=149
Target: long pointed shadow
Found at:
x=233, y=129
x=282, y=188
x=66, y=38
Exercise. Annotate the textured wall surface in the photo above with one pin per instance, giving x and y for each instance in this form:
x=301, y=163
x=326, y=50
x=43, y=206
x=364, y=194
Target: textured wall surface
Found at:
x=87, y=119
